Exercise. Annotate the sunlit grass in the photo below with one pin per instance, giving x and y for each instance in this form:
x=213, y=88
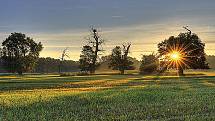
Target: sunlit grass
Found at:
x=209, y=83
x=107, y=97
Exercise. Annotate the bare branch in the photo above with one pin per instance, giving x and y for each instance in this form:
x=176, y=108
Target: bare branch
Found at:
x=186, y=27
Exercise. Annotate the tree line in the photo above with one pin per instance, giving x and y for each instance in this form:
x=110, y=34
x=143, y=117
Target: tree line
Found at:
x=185, y=51
x=20, y=53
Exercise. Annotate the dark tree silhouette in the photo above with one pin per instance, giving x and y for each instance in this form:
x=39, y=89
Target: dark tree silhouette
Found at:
x=119, y=59
x=51, y=65
x=86, y=59
x=186, y=51
x=20, y=53
x=149, y=64
x=95, y=43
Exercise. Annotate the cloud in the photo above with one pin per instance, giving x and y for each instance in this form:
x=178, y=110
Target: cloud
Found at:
x=144, y=38
x=117, y=16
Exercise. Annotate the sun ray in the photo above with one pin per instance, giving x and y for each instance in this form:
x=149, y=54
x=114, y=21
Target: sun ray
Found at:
x=176, y=56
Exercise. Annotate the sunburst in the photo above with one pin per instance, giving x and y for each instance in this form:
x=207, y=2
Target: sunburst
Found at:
x=177, y=56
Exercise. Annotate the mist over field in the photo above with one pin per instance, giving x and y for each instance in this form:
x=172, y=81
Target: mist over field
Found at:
x=65, y=60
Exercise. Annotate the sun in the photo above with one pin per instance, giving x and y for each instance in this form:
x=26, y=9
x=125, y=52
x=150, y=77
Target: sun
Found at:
x=175, y=56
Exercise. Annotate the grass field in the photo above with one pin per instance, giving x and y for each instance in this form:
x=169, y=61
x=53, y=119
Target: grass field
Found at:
x=107, y=97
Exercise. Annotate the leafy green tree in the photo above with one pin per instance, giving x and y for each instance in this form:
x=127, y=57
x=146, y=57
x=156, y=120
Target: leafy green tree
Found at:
x=149, y=64
x=119, y=59
x=186, y=51
x=86, y=59
x=20, y=53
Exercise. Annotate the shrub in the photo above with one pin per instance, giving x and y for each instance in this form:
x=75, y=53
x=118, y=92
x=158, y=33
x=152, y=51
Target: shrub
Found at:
x=149, y=64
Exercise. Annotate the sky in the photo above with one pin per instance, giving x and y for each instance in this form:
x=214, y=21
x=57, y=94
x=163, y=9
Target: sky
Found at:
x=59, y=24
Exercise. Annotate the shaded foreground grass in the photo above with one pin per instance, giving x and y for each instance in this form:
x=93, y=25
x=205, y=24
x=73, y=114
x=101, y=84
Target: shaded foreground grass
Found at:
x=107, y=97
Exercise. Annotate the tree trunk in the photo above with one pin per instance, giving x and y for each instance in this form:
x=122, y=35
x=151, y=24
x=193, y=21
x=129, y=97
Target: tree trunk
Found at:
x=122, y=71
x=60, y=67
x=180, y=72
x=93, y=69
x=19, y=72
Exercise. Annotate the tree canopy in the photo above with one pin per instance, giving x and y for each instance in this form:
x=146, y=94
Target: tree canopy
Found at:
x=89, y=55
x=20, y=53
x=119, y=59
x=86, y=59
x=186, y=51
x=149, y=64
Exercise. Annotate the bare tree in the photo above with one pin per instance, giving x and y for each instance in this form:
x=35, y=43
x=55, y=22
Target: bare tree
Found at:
x=96, y=43
x=189, y=31
x=62, y=58
x=126, y=47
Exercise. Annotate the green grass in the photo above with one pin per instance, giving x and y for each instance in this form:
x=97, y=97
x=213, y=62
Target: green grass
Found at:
x=107, y=97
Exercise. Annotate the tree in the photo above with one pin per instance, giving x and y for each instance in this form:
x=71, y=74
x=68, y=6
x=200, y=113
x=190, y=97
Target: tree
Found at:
x=149, y=64
x=62, y=58
x=119, y=59
x=20, y=53
x=51, y=65
x=186, y=51
x=95, y=42
x=86, y=59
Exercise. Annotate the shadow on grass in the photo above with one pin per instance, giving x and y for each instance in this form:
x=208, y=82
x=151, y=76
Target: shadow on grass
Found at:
x=124, y=97
x=116, y=104
x=55, y=82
